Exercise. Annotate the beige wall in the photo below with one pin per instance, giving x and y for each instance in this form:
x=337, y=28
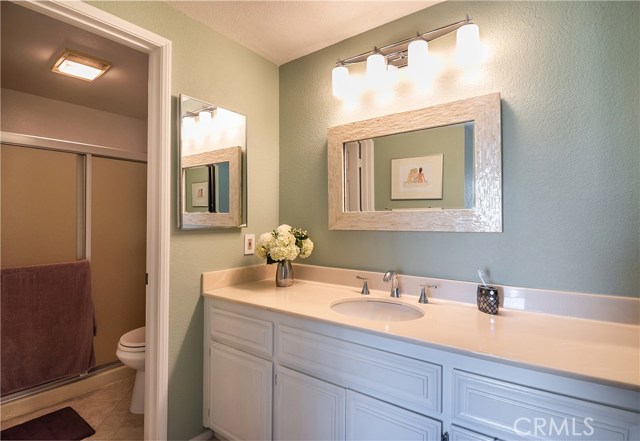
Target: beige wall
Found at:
x=39, y=116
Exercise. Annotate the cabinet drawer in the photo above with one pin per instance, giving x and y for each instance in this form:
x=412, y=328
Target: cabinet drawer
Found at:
x=530, y=413
x=242, y=332
x=408, y=382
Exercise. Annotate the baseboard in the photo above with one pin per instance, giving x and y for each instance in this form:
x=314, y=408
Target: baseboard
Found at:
x=64, y=392
x=204, y=436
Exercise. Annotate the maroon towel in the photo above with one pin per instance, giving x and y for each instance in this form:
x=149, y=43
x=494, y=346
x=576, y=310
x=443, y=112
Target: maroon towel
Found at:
x=47, y=324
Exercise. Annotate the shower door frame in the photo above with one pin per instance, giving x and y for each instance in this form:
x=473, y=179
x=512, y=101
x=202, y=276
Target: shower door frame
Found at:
x=158, y=48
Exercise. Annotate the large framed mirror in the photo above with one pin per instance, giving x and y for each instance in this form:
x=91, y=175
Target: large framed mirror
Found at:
x=212, y=169
x=432, y=169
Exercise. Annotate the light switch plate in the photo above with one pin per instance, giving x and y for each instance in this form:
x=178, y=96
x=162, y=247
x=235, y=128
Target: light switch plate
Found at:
x=249, y=244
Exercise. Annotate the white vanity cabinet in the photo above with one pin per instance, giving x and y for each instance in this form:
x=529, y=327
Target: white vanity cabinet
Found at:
x=238, y=376
x=306, y=408
x=378, y=385
x=335, y=382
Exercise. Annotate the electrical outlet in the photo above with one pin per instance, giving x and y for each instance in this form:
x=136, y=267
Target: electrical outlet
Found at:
x=249, y=244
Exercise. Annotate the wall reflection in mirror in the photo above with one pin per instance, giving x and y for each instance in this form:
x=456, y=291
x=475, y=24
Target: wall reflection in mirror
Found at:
x=438, y=168
x=428, y=169
x=212, y=173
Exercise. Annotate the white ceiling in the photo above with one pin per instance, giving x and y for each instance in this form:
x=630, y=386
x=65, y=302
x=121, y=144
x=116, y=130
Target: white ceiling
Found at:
x=280, y=31
x=285, y=30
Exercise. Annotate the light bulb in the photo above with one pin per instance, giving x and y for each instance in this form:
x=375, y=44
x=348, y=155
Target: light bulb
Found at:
x=340, y=81
x=376, y=69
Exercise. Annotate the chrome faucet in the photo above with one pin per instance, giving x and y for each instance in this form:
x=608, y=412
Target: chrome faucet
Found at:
x=393, y=277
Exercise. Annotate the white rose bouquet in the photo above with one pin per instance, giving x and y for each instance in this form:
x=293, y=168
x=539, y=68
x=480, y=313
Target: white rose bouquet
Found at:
x=284, y=243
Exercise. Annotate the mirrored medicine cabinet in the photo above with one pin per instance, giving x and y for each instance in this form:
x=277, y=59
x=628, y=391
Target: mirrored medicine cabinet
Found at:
x=433, y=169
x=212, y=166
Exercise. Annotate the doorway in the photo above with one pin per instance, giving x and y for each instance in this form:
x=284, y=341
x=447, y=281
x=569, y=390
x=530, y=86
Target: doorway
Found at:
x=158, y=228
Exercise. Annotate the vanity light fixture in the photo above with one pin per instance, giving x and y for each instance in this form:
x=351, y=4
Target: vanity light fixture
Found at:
x=413, y=51
x=79, y=65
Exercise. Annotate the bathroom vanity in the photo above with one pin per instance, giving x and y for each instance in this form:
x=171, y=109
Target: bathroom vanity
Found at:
x=281, y=364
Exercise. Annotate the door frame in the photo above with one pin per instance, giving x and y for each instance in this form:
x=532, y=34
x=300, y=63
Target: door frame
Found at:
x=158, y=48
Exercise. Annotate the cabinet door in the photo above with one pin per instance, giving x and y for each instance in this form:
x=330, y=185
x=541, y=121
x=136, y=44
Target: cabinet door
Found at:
x=371, y=419
x=461, y=434
x=240, y=394
x=307, y=408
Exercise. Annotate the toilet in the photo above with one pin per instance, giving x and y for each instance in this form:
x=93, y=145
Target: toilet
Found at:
x=131, y=351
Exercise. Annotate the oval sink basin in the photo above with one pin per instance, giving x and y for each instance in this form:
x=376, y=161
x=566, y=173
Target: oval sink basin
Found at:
x=377, y=309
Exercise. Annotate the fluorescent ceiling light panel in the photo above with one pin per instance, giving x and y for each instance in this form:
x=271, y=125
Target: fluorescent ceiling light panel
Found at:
x=78, y=65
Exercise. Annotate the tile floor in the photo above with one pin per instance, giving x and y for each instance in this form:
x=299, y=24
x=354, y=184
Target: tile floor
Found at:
x=106, y=409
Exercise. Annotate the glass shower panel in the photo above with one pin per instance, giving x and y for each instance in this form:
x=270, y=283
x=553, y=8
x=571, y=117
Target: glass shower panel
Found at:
x=118, y=250
x=41, y=206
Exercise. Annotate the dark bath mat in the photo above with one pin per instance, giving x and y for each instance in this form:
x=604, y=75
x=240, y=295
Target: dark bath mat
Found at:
x=63, y=424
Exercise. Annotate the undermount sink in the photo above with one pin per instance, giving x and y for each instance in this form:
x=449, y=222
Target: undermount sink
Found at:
x=377, y=309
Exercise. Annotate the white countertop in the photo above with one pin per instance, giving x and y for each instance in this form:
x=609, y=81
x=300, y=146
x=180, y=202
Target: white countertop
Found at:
x=599, y=350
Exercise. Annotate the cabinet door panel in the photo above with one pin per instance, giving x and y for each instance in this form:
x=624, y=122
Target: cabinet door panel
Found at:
x=371, y=419
x=240, y=394
x=307, y=408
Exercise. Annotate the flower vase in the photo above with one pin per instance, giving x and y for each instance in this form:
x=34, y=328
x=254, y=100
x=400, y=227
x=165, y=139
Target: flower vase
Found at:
x=284, y=273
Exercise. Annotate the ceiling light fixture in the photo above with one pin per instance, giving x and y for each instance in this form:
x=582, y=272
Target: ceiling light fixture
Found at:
x=412, y=51
x=79, y=65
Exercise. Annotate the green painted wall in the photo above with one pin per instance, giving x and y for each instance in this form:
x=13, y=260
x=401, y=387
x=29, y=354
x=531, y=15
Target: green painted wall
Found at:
x=568, y=74
x=210, y=67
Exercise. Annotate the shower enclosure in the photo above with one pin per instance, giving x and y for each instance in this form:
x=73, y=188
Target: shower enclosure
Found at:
x=72, y=203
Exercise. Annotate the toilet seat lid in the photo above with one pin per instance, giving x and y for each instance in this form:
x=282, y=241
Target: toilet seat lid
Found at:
x=133, y=339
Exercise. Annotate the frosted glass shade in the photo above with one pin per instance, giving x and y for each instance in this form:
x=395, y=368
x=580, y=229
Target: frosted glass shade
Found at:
x=418, y=51
x=79, y=70
x=340, y=81
x=376, y=69
x=77, y=65
x=204, y=117
x=467, y=42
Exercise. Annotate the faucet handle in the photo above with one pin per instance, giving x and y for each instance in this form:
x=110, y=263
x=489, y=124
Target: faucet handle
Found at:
x=423, y=293
x=365, y=286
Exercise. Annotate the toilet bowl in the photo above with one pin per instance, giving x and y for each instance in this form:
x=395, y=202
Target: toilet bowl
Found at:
x=131, y=352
